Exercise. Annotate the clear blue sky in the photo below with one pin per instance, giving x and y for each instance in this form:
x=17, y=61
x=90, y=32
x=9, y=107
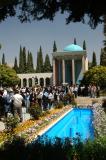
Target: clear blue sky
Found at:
x=32, y=35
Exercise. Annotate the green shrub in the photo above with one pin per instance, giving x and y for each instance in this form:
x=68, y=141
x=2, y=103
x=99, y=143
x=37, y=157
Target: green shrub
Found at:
x=74, y=103
x=68, y=98
x=35, y=111
x=104, y=104
x=46, y=149
x=59, y=105
x=12, y=122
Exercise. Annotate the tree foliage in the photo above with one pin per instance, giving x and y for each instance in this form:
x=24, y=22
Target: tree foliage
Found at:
x=45, y=149
x=28, y=10
x=35, y=111
x=12, y=122
x=54, y=47
x=39, y=67
x=75, y=42
x=104, y=31
x=30, y=66
x=15, y=67
x=21, y=65
x=95, y=75
x=3, y=59
x=84, y=45
x=103, y=57
x=0, y=46
x=24, y=60
x=8, y=76
x=47, y=65
x=94, y=62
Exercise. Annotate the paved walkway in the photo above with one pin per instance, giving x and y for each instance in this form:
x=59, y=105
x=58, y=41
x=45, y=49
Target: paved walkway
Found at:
x=85, y=101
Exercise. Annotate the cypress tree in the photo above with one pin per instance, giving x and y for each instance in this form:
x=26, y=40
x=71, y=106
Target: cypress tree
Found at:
x=24, y=60
x=27, y=62
x=47, y=65
x=104, y=31
x=103, y=57
x=94, y=62
x=75, y=42
x=54, y=47
x=89, y=64
x=0, y=46
x=39, y=67
x=84, y=45
x=30, y=63
x=3, y=59
x=21, y=65
x=15, y=67
x=103, y=51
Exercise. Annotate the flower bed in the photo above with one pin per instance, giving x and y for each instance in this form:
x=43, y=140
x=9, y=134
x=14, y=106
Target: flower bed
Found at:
x=33, y=132
x=99, y=120
x=31, y=128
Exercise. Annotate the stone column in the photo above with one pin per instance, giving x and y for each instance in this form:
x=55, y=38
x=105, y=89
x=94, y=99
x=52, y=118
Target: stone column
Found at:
x=27, y=83
x=63, y=70
x=21, y=83
x=33, y=81
x=83, y=64
x=86, y=64
x=44, y=82
x=54, y=72
x=73, y=72
x=38, y=81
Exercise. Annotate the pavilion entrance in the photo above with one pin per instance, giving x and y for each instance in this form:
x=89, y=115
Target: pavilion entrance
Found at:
x=69, y=65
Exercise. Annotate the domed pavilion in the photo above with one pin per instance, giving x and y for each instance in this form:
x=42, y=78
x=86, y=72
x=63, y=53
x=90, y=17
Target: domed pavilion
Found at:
x=69, y=65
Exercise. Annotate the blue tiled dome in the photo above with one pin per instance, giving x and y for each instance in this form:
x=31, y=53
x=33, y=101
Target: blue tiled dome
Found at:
x=72, y=47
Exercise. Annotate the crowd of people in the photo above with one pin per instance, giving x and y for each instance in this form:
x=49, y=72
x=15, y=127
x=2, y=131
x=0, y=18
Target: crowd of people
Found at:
x=12, y=100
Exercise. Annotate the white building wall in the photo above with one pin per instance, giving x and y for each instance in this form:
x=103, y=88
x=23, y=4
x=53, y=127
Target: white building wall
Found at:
x=35, y=75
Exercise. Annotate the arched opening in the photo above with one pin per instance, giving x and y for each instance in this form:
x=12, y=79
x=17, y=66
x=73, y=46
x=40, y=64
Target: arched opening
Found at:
x=41, y=82
x=24, y=82
x=19, y=84
x=47, y=81
x=36, y=80
x=30, y=82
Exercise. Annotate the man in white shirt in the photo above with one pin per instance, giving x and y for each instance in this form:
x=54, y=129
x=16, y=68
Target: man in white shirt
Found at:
x=17, y=103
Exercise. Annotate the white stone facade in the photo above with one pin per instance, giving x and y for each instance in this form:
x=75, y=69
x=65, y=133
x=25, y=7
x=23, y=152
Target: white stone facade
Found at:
x=35, y=78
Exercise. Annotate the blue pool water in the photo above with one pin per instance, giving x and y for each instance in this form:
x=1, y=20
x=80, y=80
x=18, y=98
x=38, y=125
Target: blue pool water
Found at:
x=76, y=122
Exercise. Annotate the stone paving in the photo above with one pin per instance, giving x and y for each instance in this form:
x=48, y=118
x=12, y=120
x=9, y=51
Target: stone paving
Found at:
x=83, y=101
x=87, y=101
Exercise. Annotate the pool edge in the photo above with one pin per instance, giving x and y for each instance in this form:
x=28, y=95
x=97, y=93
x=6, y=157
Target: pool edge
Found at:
x=53, y=123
